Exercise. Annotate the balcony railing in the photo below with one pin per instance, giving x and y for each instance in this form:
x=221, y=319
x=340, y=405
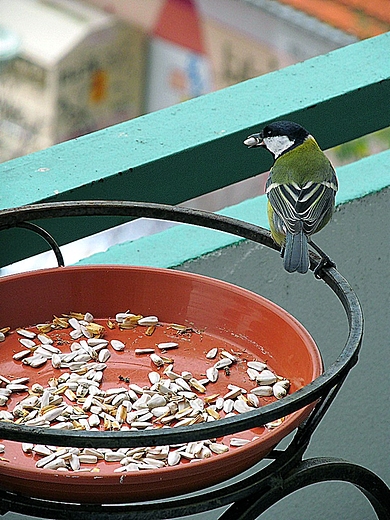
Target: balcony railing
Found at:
x=196, y=147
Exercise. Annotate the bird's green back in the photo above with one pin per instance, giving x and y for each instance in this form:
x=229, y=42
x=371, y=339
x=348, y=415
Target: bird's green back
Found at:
x=306, y=162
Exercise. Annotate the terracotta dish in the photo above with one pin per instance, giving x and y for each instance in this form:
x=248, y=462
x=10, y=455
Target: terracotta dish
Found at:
x=223, y=316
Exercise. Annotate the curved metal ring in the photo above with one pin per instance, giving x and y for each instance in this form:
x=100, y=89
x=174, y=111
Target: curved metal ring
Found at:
x=46, y=236
x=291, y=403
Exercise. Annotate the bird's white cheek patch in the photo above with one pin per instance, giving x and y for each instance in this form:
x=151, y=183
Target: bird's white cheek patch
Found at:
x=278, y=144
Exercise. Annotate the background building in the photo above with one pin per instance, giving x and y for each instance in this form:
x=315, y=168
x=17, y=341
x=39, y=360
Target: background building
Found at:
x=87, y=64
x=78, y=70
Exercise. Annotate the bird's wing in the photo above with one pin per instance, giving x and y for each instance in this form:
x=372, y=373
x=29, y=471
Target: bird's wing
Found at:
x=307, y=206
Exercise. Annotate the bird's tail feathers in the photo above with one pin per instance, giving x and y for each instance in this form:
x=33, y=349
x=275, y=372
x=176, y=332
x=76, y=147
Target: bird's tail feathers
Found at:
x=296, y=254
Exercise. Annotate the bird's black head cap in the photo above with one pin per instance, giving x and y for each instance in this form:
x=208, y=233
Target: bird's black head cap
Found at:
x=292, y=130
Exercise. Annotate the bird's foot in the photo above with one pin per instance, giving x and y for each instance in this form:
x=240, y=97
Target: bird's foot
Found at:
x=324, y=263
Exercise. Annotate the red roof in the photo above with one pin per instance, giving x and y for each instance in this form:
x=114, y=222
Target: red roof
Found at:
x=179, y=22
x=361, y=18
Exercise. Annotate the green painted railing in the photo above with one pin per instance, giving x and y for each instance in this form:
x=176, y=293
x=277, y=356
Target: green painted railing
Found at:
x=196, y=147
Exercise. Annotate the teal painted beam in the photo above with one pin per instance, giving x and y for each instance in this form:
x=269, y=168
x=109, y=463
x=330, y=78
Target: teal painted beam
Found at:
x=196, y=147
x=176, y=245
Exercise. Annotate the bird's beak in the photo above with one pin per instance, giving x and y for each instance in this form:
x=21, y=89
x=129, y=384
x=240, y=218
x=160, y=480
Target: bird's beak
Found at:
x=254, y=140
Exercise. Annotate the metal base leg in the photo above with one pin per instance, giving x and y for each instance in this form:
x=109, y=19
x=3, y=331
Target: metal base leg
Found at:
x=314, y=471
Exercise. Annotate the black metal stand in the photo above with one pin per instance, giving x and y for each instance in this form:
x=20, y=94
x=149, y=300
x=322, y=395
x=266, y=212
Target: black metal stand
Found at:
x=254, y=494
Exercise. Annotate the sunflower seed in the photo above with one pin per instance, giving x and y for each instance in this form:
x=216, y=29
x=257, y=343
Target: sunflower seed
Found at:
x=140, y=351
x=241, y=406
x=211, y=354
x=97, y=342
x=262, y=391
x=113, y=456
x=94, y=420
x=117, y=345
x=197, y=385
x=21, y=355
x=17, y=387
x=156, y=401
x=45, y=339
x=228, y=405
x=74, y=323
x=76, y=333
x=121, y=316
x=52, y=414
x=218, y=448
x=212, y=374
x=40, y=449
x=28, y=343
x=279, y=391
x=253, y=400
x=56, y=361
x=136, y=388
x=121, y=414
x=141, y=424
x=233, y=393
x=274, y=424
x=74, y=462
x=154, y=377
x=42, y=462
x=88, y=459
x=41, y=351
x=93, y=451
x=257, y=365
x=167, y=346
x=148, y=321
x=222, y=363
x=236, y=441
x=173, y=458
x=213, y=412
x=266, y=377
x=35, y=361
x=205, y=453
x=157, y=360
x=252, y=374
x=50, y=348
x=228, y=355
x=21, y=380
x=104, y=355
x=26, y=333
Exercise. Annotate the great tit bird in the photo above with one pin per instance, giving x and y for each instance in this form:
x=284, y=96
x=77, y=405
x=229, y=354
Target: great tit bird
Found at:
x=301, y=190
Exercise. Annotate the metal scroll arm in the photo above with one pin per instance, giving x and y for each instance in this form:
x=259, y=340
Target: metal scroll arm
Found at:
x=46, y=236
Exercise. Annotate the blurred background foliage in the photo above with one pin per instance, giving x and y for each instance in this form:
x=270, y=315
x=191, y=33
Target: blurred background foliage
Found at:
x=362, y=147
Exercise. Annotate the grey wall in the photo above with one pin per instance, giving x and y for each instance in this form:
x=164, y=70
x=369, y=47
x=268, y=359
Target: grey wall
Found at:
x=357, y=426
